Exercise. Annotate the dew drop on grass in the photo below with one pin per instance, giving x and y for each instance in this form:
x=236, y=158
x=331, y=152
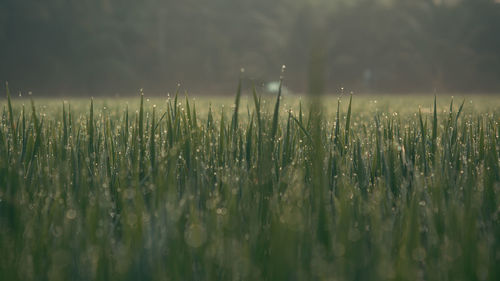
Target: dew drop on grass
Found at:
x=132, y=220
x=221, y=211
x=195, y=235
x=129, y=193
x=57, y=231
x=339, y=249
x=71, y=214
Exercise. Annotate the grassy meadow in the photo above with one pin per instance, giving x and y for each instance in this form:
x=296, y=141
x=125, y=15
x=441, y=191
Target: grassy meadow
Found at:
x=250, y=188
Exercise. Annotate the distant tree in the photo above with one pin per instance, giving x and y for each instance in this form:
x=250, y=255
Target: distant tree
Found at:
x=118, y=46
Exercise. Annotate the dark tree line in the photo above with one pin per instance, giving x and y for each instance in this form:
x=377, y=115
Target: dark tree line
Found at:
x=117, y=46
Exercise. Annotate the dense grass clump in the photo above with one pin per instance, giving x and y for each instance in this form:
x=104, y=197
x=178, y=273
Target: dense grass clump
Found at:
x=263, y=190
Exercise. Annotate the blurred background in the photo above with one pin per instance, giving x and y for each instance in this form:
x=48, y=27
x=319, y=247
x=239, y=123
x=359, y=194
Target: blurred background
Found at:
x=115, y=47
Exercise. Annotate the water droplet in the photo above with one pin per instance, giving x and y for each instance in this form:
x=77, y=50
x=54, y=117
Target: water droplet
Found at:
x=221, y=211
x=338, y=249
x=71, y=214
x=195, y=235
x=57, y=231
x=129, y=193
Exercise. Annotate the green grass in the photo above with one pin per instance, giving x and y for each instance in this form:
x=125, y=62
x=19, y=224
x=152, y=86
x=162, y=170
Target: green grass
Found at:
x=265, y=189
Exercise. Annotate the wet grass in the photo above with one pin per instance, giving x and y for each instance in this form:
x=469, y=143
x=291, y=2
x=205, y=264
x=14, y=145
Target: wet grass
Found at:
x=267, y=188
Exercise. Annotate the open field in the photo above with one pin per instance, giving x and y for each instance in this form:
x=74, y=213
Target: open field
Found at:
x=379, y=188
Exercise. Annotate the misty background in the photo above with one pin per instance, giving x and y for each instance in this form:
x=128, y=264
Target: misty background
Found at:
x=108, y=47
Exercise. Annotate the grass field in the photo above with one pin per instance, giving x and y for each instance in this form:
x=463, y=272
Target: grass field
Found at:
x=258, y=189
